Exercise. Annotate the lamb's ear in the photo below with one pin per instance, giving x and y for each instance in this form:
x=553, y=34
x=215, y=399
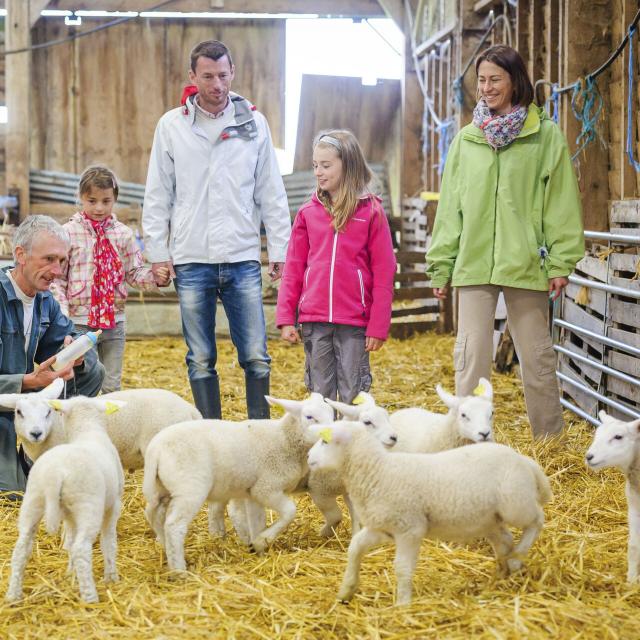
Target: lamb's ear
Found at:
x=294, y=407
x=347, y=410
x=448, y=398
x=9, y=400
x=109, y=406
x=484, y=389
x=58, y=405
x=634, y=426
x=364, y=400
x=53, y=390
x=604, y=416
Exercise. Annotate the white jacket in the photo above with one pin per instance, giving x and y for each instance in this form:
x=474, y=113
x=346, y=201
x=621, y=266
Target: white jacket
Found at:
x=204, y=201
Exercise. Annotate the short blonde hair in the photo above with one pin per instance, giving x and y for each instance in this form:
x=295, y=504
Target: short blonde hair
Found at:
x=356, y=175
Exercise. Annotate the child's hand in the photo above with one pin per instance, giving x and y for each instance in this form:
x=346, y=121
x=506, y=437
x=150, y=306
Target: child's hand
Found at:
x=289, y=333
x=163, y=272
x=373, y=344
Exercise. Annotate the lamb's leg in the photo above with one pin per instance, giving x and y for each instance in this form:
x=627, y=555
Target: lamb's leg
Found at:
x=156, y=517
x=248, y=518
x=633, y=548
x=502, y=542
x=83, y=566
x=286, y=509
x=21, y=554
x=215, y=514
x=109, y=544
x=355, y=521
x=529, y=535
x=180, y=512
x=407, y=549
x=359, y=545
x=68, y=534
x=330, y=510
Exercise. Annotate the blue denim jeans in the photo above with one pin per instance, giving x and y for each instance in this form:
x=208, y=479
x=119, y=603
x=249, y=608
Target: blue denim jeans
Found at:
x=239, y=287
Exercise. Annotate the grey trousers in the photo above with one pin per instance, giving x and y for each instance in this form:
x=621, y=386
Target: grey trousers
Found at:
x=110, y=352
x=336, y=364
x=527, y=315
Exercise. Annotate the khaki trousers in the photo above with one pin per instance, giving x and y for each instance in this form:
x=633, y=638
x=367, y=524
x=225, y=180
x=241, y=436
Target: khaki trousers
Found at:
x=527, y=316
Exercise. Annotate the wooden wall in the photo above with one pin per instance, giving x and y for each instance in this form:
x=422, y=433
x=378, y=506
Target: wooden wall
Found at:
x=98, y=99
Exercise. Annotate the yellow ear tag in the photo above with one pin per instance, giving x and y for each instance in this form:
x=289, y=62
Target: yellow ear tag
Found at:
x=111, y=408
x=479, y=390
x=55, y=404
x=325, y=435
x=359, y=399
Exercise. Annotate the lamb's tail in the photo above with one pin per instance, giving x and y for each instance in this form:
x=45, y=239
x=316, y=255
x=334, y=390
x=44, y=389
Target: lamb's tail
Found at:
x=151, y=485
x=542, y=482
x=52, y=499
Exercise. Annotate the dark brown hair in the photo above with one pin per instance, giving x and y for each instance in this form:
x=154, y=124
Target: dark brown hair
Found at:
x=511, y=61
x=99, y=177
x=213, y=49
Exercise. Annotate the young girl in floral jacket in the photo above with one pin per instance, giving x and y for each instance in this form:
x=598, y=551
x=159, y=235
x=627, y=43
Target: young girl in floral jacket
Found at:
x=103, y=259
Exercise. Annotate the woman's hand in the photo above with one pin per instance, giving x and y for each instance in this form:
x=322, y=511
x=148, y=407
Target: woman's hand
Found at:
x=373, y=344
x=289, y=333
x=556, y=285
x=442, y=292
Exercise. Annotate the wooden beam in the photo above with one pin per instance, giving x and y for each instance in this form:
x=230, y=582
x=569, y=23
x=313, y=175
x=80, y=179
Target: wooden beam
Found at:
x=394, y=9
x=18, y=85
x=35, y=7
x=353, y=8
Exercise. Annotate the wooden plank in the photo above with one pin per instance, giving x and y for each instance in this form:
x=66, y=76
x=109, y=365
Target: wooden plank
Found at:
x=624, y=362
x=597, y=298
x=580, y=398
x=18, y=97
x=592, y=373
x=403, y=330
x=410, y=257
x=333, y=8
x=35, y=7
x=626, y=390
x=627, y=313
x=593, y=268
x=626, y=337
x=575, y=315
x=418, y=276
x=625, y=211
x=413, y=293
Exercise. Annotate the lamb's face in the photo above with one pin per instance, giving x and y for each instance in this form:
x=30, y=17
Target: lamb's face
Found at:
x=377, y=422
x=315, y=410
x=34, y=419
x=614, y=444
x=475, y=419
x=328, y=451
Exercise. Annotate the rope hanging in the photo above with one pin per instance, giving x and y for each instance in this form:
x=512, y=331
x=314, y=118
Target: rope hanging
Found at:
x=444, y=132
x=629, y=147
x=552, y=104
x=586, y=104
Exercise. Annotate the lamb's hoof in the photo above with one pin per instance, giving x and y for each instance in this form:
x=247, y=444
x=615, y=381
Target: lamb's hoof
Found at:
x=633, y=579
x=328, y=531
x=514, y=565
x=90, y=598
x=13, y=596
x=344, y=597
x=258, y=546
x=111, y=577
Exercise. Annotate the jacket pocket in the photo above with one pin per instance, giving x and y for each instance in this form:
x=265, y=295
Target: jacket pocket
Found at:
x=459, y=349
x=305, y=288
x=545, y=358
x=362, y=300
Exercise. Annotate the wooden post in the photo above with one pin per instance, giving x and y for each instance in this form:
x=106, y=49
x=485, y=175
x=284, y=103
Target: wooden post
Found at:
x=18, y=84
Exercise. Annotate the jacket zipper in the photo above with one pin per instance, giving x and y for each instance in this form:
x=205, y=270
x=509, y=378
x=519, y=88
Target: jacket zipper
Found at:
x=306, y=286
x=495, y=213
x=333, y=264
x=364, y=306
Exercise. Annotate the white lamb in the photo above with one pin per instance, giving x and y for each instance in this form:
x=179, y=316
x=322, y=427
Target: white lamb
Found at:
x=457, y=495
x=214, y=461
x=80, y=483
x=470, y=419
x=617, y=444
x=147, y=412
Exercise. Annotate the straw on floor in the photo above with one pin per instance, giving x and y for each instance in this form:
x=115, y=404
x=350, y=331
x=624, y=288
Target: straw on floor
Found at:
x=573, y=585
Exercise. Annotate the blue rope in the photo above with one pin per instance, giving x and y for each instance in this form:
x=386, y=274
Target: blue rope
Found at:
x=632, y=161
x=553, y=102
x=445, y=134
x=588, y=114
x=458, y=93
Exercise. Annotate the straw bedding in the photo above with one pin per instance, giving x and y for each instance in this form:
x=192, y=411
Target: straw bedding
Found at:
x=573, y=586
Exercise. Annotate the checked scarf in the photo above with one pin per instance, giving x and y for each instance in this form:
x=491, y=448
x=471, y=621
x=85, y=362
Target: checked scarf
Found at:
x=108, y=273
x=499, y=130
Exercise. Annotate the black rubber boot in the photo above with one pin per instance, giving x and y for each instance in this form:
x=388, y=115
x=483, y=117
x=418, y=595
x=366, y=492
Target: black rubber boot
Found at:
x=257, y=406
x=206, y=395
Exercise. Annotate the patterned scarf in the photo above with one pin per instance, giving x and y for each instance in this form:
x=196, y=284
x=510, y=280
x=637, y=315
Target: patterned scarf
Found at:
x=499, y=130
x=107, y=274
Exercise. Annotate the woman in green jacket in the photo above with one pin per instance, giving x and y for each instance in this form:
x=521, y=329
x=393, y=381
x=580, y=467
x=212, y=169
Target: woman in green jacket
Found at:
x=509, y=219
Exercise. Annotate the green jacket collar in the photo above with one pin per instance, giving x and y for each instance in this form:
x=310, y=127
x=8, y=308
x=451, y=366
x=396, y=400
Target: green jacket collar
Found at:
x=531, y=125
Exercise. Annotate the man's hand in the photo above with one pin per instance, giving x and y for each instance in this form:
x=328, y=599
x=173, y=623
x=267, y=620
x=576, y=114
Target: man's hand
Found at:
x=289, y=333
x=373, y=344
x=163, y=273
x=44, y=375
x=275, y=270
x=441, y=292
x=556, y=285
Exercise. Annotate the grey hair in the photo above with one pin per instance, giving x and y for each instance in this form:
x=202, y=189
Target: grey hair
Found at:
x=32, y=226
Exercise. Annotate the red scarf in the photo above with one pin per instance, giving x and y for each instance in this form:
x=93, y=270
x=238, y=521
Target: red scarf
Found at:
x=107, y=274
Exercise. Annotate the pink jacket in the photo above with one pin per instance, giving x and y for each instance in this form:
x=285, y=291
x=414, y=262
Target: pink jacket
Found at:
x=73, y=290
x=343, y=278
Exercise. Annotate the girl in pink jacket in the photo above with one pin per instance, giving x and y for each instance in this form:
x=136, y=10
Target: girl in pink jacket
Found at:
x=339, y=271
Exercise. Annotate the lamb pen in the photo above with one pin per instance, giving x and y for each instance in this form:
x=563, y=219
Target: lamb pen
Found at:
x=574, y=583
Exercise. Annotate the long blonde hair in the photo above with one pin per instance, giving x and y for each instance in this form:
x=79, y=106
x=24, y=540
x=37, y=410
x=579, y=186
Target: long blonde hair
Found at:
x=356, y=175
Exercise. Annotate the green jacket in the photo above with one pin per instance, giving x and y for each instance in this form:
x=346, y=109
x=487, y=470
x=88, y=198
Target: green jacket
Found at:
x=500, y=210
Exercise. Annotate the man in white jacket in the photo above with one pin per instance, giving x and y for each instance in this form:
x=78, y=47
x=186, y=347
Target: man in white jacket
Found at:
x=213, y=179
